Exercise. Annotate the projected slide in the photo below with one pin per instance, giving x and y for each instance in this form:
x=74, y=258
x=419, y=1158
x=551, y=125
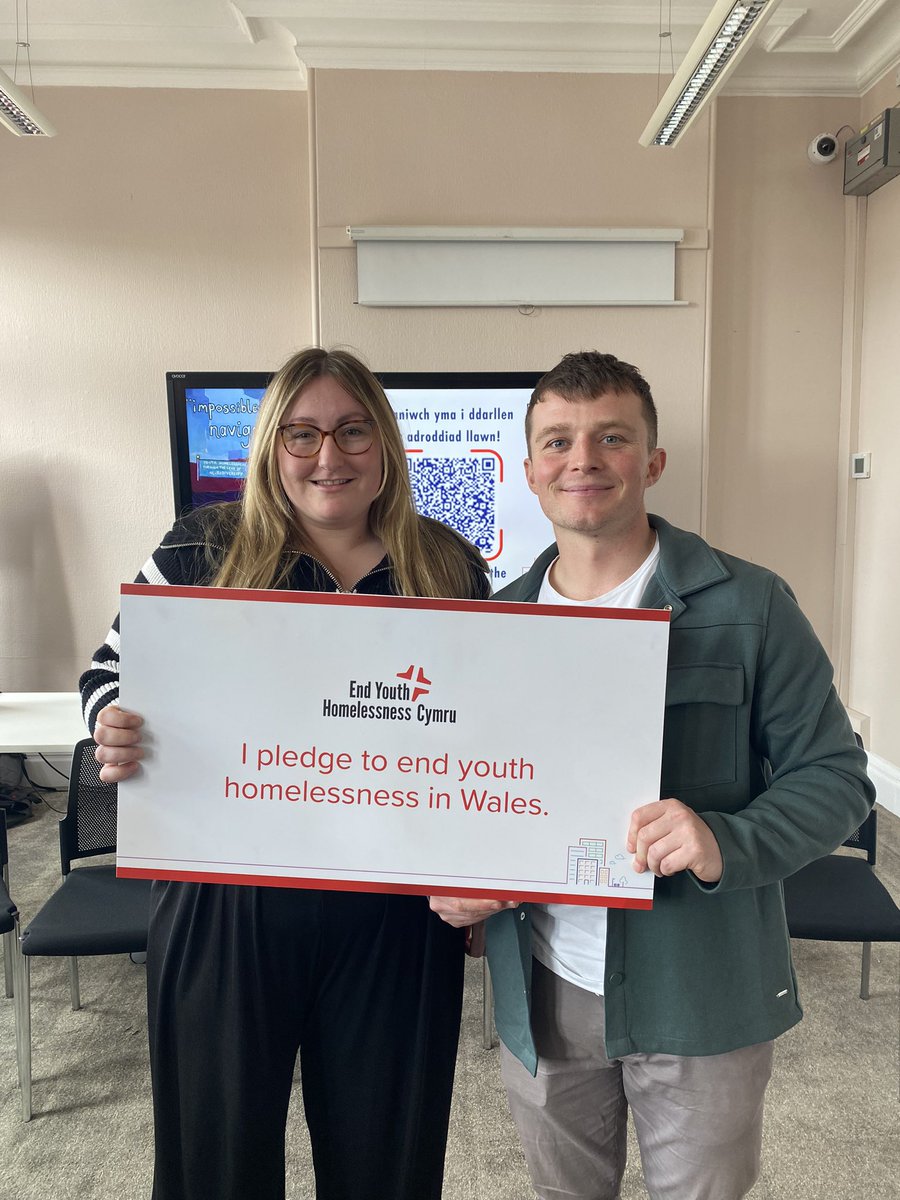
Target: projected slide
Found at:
x=220, y=422
x=465, y=452
x=465, y=444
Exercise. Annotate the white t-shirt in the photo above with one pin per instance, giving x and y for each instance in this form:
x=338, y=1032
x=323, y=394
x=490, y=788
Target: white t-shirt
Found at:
x=570, y=939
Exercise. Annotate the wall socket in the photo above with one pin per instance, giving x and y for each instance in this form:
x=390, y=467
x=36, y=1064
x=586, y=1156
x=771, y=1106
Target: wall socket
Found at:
x=861, y=464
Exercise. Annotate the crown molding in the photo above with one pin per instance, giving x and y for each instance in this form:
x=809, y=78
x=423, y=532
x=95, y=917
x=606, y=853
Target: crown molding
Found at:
x=835, y=42
x=587, y=12
x=777, y=25
x=282, y=79
x=392, y=58
x=878, y=67
x=856, y=22
x=261, y=79
x=269, y=44
x=103, y=32
x=250, y=27
x=807, y=85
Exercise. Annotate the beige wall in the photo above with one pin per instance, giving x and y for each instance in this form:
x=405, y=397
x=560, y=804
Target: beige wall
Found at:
x=432, y=148
x=161, y=230
x=776, y=342
x=875, y=641
x=883, y=94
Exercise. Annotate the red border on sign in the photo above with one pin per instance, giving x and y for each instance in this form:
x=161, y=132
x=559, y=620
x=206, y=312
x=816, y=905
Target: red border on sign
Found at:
x=360, y=885
x=361, y=600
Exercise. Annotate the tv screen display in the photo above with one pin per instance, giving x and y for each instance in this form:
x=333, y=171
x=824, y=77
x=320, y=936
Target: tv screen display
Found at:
x=464, y=439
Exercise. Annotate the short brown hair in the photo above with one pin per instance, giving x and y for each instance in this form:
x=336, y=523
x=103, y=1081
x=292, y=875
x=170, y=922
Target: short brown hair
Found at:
x=589, y=374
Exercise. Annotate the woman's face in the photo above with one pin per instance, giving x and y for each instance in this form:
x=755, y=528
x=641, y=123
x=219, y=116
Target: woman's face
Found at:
x=331, y=490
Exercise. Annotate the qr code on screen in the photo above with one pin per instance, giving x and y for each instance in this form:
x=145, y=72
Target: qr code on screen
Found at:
x=461, y=492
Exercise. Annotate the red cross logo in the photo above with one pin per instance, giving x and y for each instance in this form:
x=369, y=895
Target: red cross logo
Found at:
x=418, y=690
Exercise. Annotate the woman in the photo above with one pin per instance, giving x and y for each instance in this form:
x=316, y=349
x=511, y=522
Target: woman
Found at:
x=367, y=987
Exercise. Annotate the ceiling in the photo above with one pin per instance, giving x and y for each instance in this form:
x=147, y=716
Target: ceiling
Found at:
x=828, y=47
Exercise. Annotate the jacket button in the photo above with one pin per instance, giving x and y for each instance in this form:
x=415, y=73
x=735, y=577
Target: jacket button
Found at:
x=522, y=915
x=616, y=978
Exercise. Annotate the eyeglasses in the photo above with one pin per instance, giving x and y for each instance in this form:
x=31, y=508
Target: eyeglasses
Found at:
x=303, y=441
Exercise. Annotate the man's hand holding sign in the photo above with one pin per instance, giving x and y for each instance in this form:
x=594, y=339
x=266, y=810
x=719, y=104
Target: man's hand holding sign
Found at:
x=667, y=837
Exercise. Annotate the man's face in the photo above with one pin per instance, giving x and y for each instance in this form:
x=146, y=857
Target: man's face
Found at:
x=590, y=463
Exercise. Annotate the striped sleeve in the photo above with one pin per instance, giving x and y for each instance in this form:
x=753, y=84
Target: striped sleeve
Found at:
x=100, y=683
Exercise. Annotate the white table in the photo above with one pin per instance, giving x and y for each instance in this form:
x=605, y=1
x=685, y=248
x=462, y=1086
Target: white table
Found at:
x=40, y=722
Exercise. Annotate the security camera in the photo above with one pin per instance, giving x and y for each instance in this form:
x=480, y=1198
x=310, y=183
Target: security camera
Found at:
x=822, y=149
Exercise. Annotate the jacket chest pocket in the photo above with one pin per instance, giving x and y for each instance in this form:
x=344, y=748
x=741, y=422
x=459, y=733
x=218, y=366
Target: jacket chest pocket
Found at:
x=701, y=723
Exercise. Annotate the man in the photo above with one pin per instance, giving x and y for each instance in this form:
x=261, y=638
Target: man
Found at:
x=671, y=1011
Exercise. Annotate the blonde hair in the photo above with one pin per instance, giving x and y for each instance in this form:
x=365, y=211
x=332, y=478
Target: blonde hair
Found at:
x=428, y=558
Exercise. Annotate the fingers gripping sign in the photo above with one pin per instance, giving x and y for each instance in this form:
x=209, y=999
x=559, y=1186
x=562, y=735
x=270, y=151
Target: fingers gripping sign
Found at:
x=461, y=911
x=118, y=737
x=667, y=836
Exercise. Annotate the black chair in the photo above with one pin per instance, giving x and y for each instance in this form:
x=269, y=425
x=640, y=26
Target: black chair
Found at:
x=839, y=898
x=91, y=912
x=8, y=913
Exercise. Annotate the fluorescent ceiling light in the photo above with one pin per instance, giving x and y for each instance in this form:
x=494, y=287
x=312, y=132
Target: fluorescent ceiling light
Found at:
x=18, y=113
x=725, y=37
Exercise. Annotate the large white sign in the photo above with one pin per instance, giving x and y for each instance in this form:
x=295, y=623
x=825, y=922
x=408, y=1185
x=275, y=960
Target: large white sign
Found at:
x=382, y=744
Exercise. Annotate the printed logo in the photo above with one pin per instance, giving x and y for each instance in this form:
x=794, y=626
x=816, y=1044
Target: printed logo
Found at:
x=394, y=701
x=420, y=679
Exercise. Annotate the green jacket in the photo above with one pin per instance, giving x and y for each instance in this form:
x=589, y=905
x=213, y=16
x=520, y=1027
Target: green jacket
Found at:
x=755, y=741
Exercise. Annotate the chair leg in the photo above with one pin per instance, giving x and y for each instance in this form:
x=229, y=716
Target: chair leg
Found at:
x=23, y=1033
x=866, y=965
x=9, y=966
x=8, y=947
x=487, y=1036
x=16, y=964
x=73, y=984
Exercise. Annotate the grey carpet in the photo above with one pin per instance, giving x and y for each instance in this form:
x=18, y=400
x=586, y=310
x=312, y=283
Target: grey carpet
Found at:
x=832, y=1117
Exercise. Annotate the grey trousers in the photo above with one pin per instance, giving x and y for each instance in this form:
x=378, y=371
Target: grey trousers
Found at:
x=698, y=1120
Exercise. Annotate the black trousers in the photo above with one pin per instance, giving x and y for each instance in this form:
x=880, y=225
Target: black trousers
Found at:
x=367, y=987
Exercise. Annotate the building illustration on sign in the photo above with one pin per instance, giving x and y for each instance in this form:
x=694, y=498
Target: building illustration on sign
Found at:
x=587, y=865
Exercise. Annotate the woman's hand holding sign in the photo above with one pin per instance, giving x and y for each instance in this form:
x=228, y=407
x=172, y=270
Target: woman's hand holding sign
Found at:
x=118, y=737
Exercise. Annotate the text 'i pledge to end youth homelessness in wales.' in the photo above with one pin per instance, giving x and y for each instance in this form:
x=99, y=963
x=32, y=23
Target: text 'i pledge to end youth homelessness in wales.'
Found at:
x=326, y=763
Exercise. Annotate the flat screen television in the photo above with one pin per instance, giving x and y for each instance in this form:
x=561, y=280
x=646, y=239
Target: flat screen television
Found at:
x=464, y=438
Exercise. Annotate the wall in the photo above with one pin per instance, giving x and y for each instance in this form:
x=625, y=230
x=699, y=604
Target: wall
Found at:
x=875, y=643
x=161, y=230
x=775, y=398
x=883, y=94
x=432, y=148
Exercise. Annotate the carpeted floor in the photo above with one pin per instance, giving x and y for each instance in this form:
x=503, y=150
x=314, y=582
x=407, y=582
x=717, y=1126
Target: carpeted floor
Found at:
x=832, y=1118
